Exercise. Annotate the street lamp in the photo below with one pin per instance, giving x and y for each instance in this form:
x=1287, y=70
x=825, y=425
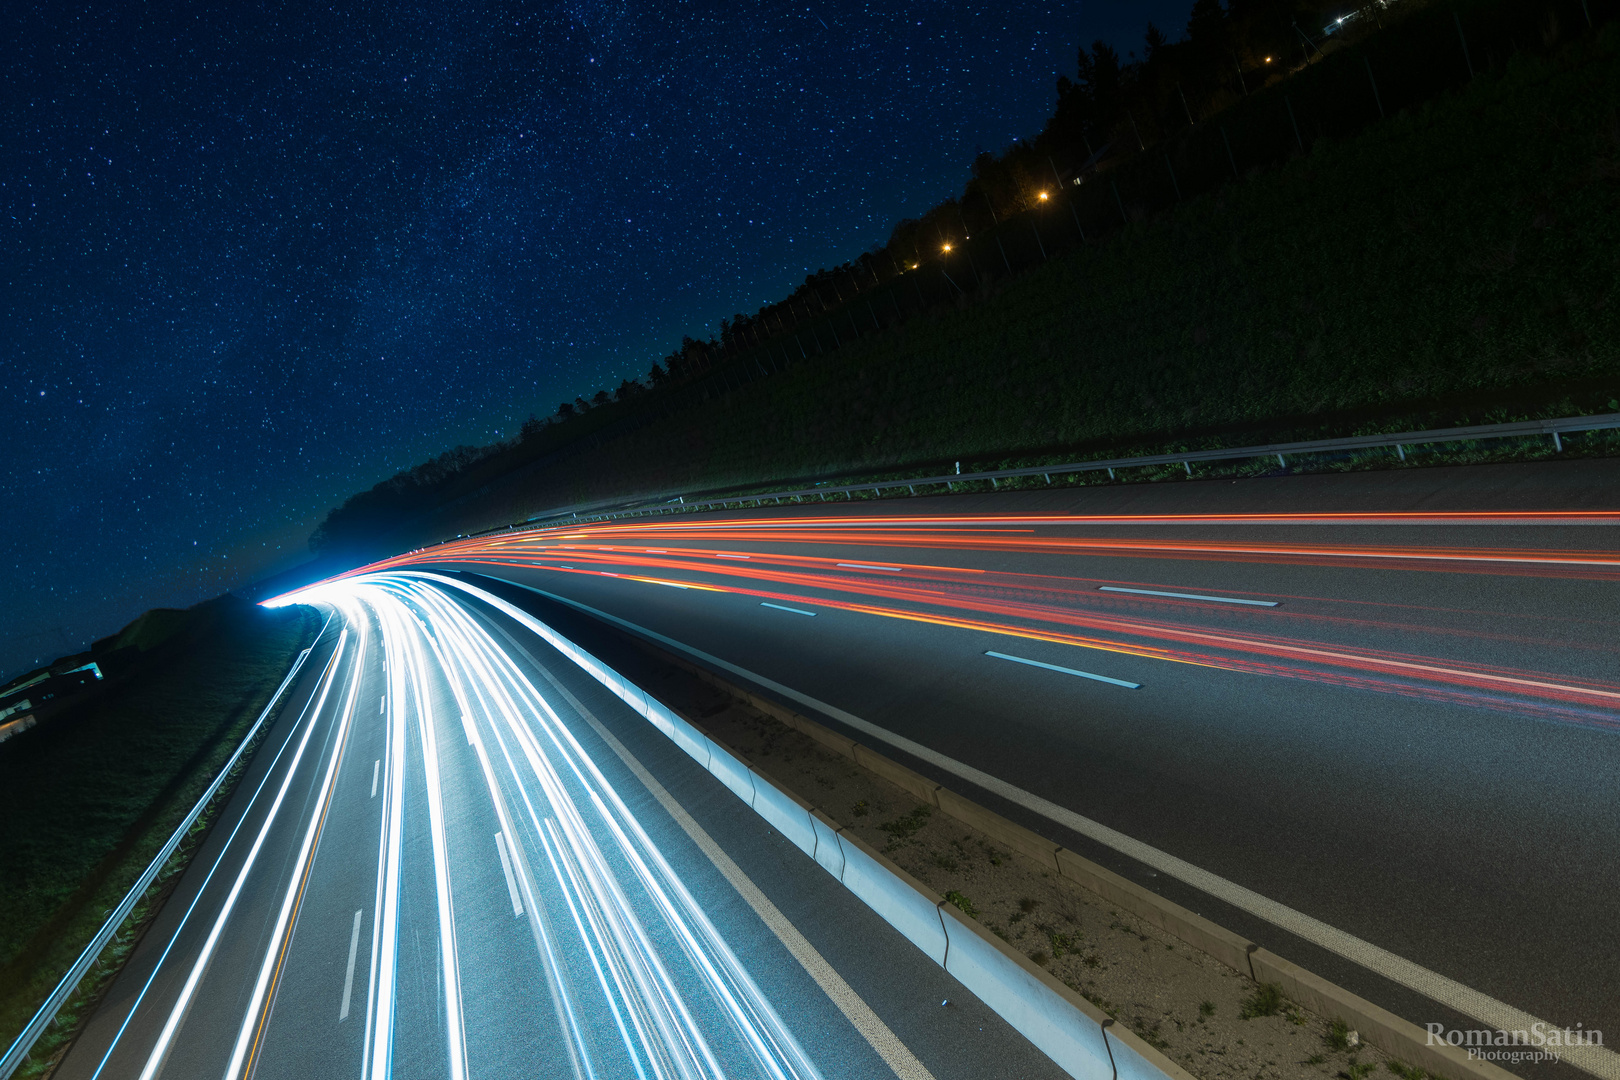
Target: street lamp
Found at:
x=1042, y=196
x=947, y=247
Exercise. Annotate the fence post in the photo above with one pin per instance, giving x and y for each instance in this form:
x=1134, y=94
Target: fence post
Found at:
x=1462, y=38
x=1118, y=202
x=1038, y=243
x=1368, y=65
x=954, y=285
x=1294, y=122
x=1174, y=183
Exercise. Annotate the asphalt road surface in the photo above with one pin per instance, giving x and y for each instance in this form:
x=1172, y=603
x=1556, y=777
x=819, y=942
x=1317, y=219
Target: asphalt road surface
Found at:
x=1371, y=721
x=457, y=855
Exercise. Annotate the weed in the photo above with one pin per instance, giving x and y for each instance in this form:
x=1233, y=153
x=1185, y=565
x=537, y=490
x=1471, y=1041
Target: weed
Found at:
x=1061, y=944
x=1357, y=1070
x=1316, y=1059
x=1041, y=957
x=945, y=862
x=860, y=809
x=1267, y=1000
x=1338, y=1035
x=962, y=904
x=904, y=828
x=1409, y=1072
x=1026, y=905
x=1206, y=1008
x=1092, y=961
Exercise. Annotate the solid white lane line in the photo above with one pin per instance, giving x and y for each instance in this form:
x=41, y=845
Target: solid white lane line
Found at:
x=657, y=551
x=719, y=555
x=248, y=1037
x=796, y=611
x=182, y=1004
x=672, y=585
x=1066, y=670
x=348, y=976
x=511, y=882
x=376, y=767
x=382, y=706
x=1188, y=596
x=877, y=1034
x=869, y=566
x=1597, y=1060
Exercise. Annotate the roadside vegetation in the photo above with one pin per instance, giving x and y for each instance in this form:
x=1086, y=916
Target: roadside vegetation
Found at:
x=88, y=797
x=1416, y=228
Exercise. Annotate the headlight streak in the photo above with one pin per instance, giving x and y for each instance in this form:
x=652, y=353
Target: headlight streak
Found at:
x=750, y=1013
x=262, y=1000
x=646, y=958
x=182, y=1005
x=1546, y=696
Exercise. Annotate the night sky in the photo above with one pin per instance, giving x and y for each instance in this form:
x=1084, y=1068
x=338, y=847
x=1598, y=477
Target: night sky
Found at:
x=256, y=257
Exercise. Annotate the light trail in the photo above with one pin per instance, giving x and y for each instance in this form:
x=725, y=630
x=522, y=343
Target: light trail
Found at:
x=1068, y=611
x=641, y=981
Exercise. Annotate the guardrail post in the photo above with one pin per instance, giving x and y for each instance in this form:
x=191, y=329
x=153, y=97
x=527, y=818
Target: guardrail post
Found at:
x=1048, y=478
x=1401, y=450
x=1558, y=444
x=1281, y=462
x=1110, y=474
x=1188, y=466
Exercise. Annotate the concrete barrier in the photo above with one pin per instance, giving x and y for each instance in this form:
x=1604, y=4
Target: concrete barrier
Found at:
x=898, y=898
x=1217, y=941
x=786, y=813
x=730, y=770
x=1063, y=1026
x=1133, y=1058
x=829, y=853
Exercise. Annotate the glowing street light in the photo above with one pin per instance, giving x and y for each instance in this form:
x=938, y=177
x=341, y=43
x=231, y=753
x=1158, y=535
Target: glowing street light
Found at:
x=947, y=247
x=1042, y=196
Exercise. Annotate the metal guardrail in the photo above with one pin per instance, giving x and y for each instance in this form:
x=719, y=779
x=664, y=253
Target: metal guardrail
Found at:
x=1398, y=441
x=24, y=1043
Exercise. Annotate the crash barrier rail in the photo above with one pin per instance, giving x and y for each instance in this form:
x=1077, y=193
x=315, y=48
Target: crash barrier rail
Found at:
x=1399, y=442
x=24, y=1043
x=1077, y=1036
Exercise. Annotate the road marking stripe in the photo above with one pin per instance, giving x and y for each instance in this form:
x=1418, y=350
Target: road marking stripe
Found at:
x=376, y=766
x=796, y=611
x=1189, y=596
x=877, y=1034
x=720, y=556
x=869, y=566
x=1066, y=670
x=348, y=978
x=672, y=585
x=382, y=706
x=511, y=882
x=1597, y=1060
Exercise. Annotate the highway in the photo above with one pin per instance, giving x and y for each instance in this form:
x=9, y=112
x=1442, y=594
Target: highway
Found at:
x=1370, y=723
x=456, y=854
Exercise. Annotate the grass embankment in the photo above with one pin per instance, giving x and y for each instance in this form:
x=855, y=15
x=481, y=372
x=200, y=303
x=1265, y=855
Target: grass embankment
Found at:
x=88, y=797
x=1454, y=264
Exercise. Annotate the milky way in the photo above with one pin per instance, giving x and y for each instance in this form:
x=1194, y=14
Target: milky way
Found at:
x=256, y=257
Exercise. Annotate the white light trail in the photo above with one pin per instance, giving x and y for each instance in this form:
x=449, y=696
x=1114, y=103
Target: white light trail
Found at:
x=641, y=981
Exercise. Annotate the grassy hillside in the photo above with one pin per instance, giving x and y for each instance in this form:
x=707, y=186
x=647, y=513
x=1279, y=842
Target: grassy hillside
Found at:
x=88, y=797
x=1457, y=263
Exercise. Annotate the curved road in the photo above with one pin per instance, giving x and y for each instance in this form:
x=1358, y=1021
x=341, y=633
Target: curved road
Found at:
x=1372, y=722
